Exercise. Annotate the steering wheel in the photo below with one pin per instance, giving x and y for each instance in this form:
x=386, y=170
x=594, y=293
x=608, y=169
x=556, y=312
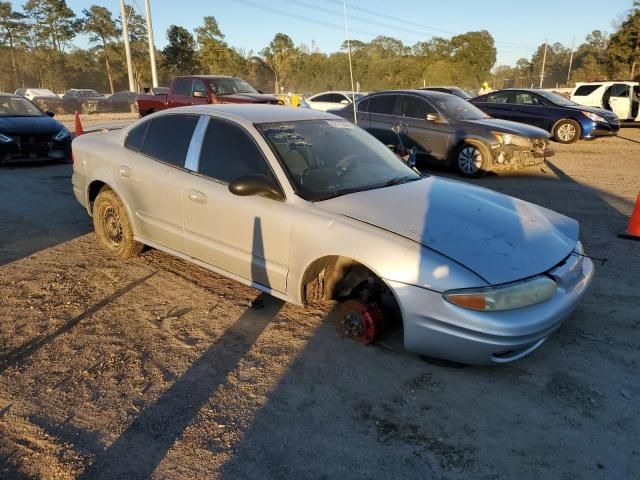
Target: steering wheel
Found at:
x=347, y=164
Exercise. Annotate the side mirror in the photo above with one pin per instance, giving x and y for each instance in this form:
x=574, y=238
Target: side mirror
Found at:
x=344, y=102
x=432, y=117
x=259, y=91
x=249, y=185
x=201, y=94
x=50, y=114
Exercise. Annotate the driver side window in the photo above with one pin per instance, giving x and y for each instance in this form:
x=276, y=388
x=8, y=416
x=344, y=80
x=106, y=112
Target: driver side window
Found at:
x=198, y=86
x=414, y=107
x=229, y=152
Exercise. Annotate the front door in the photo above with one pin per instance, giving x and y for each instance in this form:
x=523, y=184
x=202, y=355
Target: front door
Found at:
x=245, y=236
x=150, y=175
x=529, y=109
x=431, y=137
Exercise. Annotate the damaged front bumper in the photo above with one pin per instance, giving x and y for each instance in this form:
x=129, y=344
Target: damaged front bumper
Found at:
x=509, y=156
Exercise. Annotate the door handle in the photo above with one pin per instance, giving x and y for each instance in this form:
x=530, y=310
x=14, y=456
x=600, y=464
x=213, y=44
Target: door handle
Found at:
x=197, y=196
x=125, y=171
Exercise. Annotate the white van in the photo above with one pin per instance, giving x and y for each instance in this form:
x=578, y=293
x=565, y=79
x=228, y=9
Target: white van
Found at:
x=622, y=98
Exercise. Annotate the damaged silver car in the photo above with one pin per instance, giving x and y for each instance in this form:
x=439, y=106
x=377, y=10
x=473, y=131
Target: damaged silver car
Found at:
x=446, y=129
x=304, y=205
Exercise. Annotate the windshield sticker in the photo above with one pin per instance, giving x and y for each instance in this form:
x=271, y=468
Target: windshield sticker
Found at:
x=340, y=124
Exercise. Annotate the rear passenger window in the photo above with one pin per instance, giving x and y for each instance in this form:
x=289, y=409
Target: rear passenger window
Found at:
x=499, y=97
x=136, y=136
x=384, y=104
x=168, y=138
x=229, y=152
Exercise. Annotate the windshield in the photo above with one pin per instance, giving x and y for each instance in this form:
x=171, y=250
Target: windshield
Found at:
x=329, y=158
x=555, y=98
x=18, y=107
x=229, y=86
x=458, y=109
x=460, y=93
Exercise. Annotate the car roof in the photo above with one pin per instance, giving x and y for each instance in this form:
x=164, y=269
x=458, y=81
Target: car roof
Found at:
x=256, y=113
x=425, y=93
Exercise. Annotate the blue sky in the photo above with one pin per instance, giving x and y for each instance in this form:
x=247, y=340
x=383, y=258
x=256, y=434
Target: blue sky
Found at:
x=517, y=26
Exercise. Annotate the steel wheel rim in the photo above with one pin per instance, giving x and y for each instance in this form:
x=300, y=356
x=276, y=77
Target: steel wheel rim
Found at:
x=112, y=226
x=566, y=132
x=470, y=159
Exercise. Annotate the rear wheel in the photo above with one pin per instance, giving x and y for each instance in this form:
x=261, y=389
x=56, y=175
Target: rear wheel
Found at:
x=567, y=131
x=112, y=225
x=471, y=160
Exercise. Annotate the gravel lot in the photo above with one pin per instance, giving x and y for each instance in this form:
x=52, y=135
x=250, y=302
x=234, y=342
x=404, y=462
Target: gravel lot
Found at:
x=157, y=368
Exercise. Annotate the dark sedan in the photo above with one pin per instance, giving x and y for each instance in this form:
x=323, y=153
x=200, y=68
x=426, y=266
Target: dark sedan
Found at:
x=445, y=128
x=28, y=133
x=565, y=120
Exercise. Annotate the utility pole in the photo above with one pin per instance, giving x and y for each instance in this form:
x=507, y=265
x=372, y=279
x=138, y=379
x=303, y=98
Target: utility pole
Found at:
x=353, y=95
x=544, y=60
x=573, y=45
x=152, y=47
x=127, y=48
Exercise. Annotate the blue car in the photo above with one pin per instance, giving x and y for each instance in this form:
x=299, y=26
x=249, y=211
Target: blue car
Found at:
x=565, y=120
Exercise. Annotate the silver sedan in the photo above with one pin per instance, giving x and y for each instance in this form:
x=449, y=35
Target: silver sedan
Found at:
x=305, y=206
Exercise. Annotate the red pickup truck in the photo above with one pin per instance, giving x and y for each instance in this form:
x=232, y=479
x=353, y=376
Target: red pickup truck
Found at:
x=202, y=90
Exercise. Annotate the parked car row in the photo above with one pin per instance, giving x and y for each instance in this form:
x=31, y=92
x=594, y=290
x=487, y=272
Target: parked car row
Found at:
x=81, y=100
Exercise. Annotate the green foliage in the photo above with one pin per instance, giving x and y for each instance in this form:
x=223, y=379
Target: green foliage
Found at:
x=36, y=50
x=281, y=57
x=180, y=53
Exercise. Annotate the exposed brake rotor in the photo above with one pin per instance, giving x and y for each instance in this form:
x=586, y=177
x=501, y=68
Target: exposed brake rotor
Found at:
x=360, y=322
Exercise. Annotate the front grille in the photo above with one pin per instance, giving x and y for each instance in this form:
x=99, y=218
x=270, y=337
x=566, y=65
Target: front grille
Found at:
x=32, y=143
x=612, y=118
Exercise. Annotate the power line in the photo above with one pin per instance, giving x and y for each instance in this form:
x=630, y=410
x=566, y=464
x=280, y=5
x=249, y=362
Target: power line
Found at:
x=334, y=26
x=420, y=25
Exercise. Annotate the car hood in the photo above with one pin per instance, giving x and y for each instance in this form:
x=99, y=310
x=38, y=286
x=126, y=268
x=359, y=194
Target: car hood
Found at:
x=508, y=126
x=500, y=238
x=248, y=98
x=30, y=125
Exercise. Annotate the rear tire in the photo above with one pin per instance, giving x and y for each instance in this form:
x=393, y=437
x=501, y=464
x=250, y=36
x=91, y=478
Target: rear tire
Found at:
x=567, y=131
x=471, y=160
x=112, y=225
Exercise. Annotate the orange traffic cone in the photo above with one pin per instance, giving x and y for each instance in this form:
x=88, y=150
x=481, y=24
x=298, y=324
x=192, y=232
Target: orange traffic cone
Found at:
x=79, y=130
x=633, y=230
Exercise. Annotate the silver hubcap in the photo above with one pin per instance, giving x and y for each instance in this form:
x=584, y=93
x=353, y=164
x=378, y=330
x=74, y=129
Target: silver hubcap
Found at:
x=470, y=159
x=566, y=132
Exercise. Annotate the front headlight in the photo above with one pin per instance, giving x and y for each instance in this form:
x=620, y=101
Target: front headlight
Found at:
x=594, y=116
x=5, y=138
x=510, y=139
x=62, y=134
x=505, y=297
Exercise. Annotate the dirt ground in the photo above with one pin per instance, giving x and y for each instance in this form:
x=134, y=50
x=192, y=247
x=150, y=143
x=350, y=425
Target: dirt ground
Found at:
x=157, y=368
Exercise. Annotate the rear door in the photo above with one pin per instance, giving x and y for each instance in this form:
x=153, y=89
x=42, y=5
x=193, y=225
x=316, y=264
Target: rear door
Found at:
x=384, y=114
x=431, y=138
x=620, y=100
x=150, y=174
x=245, y=236
x=497, y=104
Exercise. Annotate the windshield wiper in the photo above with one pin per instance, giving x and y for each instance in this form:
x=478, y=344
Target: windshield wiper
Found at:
x=399, y=180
